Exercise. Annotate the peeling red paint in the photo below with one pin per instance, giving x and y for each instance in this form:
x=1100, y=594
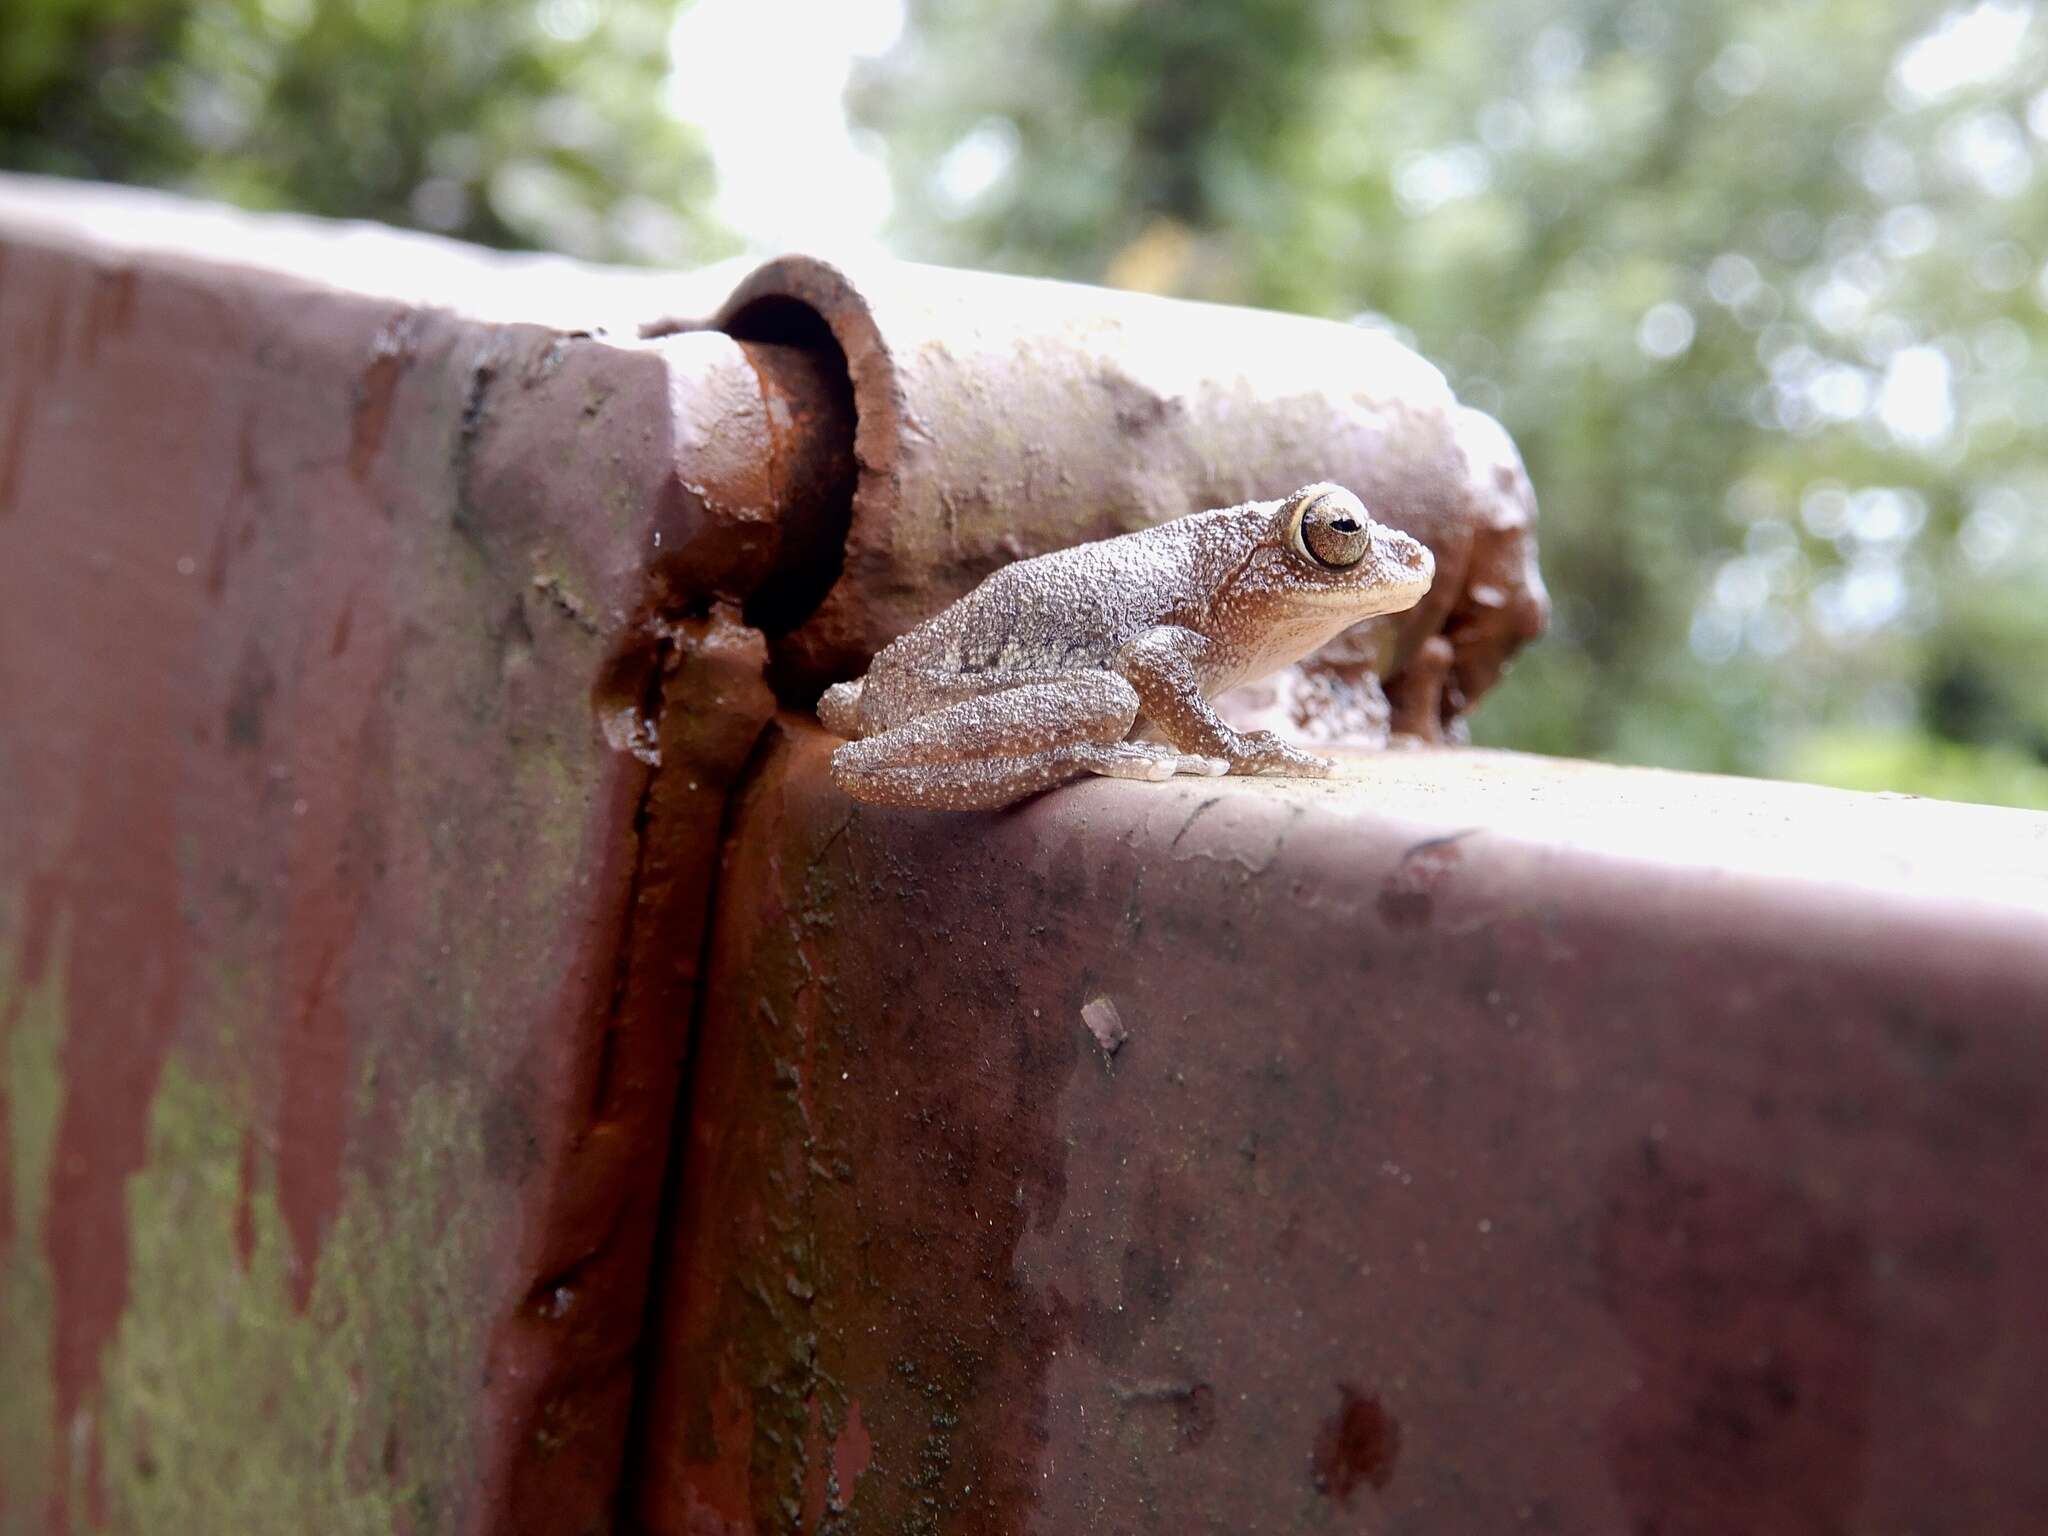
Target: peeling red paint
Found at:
x=7, y=1216
x=702, y=1519
x=851, y=1454
x=245, y=1201
x=340, y=758
x=1407, y=897
x=722, y=1433
x=817, y=1467
x=389, y=356
x=125, y=975
x=20, y=416
x=108, y=859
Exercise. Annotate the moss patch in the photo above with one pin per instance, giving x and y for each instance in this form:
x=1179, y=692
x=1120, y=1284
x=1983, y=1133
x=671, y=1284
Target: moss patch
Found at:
x=227, y=1409
x=222, y=1406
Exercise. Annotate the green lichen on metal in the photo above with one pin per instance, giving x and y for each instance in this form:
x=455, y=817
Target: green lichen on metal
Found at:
x=559, y=792
x=224, y=1407
x=32, y=1083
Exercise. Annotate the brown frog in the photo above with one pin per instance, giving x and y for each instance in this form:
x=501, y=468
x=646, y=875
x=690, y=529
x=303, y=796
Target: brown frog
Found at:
x=1102, y=658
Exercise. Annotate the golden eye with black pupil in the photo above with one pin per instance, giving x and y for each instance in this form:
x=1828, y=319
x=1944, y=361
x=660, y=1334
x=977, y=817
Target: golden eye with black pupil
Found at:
x=1335, y=530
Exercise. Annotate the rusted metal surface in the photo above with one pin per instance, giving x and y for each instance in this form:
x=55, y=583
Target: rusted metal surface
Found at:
x=1000, y=417
x=344, y=958
x=1473, y=1143
x=375, y=672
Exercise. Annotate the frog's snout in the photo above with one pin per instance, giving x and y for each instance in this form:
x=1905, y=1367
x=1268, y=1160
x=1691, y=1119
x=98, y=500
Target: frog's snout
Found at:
x=1406, y=560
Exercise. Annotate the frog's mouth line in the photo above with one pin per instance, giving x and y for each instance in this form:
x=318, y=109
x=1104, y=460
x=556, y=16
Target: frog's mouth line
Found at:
x=1356, y=604
x=1398, y=599
x=1393, y=588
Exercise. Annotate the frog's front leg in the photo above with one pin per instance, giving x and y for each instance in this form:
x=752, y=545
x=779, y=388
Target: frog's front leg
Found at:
x=1163, y=665
x=998, y=748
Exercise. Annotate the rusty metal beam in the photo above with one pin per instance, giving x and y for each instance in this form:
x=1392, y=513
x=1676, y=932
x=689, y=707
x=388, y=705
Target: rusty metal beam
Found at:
x=344, y=959
x=1498, y=1142
x=1000, y=417
x=1471, y=1143
x=383, y=626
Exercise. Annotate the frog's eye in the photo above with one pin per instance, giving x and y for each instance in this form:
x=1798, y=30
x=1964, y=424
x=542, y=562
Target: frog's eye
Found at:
x=1334, y=529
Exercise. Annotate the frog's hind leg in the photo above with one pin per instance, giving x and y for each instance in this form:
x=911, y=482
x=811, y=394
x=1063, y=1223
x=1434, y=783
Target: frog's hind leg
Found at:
x=998, y=748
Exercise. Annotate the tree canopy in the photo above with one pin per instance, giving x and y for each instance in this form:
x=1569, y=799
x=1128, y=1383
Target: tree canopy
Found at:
x=538, y=125
x=1756, y=285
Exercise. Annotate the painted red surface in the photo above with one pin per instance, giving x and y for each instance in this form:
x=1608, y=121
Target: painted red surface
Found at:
x=1245, y=1157
x=102, y=845
x=309, y=608
x=1485, y=1150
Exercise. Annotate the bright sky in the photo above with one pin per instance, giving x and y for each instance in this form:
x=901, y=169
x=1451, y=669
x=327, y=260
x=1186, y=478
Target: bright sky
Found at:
x=764, y=80
x=1972, y=45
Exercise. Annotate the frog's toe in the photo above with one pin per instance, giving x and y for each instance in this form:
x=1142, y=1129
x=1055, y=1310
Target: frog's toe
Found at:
x=1127, y=760
x=1268, y=753
x=1208, y=767
x=1302, y=765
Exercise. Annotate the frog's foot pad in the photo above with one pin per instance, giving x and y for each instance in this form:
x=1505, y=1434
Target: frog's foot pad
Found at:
x=1146, y=760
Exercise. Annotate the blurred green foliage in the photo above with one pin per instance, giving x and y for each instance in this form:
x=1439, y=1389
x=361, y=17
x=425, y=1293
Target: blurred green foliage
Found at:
x=511, y=124
x=1756, y=285
x=1932, y=766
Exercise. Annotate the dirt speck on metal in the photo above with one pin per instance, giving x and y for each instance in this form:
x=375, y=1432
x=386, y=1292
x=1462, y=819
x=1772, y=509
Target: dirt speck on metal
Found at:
x=1106, y=1024
x=1358, y=1444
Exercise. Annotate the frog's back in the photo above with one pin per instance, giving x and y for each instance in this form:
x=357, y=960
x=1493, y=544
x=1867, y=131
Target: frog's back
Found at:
x=1074, y=607
x=1070, y=610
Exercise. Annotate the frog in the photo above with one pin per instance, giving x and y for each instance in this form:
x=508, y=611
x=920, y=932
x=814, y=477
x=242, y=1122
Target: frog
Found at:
x=1102, y=658
x=1410, y=680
